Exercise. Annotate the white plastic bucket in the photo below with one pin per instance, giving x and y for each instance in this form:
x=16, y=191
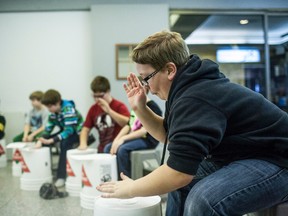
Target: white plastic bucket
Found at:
x=96, y=168
x=3, y=155
x=140, y=206
x=17, y=157
x=87, y=201
x=36, y=168
x=73, y=182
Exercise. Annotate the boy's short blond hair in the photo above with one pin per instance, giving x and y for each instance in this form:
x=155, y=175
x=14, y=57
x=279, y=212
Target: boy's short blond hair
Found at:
x=36, y=95
x=161, y=48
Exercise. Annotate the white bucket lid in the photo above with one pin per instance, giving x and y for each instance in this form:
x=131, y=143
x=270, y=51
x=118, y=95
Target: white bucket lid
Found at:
x=19, y=145
x=124, y=204
x=101, y=156
x=77, y=151
x=140, y=206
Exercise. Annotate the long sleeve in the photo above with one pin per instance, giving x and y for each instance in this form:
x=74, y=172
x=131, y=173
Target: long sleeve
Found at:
x=72, y=122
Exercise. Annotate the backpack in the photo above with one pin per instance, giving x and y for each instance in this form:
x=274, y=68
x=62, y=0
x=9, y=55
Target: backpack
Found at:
x=50, y=191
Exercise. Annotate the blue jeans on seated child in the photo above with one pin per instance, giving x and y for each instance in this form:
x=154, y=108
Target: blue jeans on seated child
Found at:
x=65, y=145
x=241, y=187
x=123, y=154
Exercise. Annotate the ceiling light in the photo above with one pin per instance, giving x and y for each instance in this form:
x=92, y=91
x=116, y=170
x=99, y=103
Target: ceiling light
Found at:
x=244, y=22
x=173, y=19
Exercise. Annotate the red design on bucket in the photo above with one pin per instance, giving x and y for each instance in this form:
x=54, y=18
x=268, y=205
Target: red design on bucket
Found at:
x=85, y=180
x=2, y=152
x=24, y=167
x=17, y=156
x=69, y=169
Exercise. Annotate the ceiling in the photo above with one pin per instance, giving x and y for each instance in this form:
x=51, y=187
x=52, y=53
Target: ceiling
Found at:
x=68, y=5
x=226, y=29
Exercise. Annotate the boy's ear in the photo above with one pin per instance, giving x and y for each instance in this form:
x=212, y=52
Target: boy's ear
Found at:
x=171, y=69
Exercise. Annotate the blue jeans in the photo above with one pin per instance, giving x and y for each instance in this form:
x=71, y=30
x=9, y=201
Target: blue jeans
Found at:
x=123, y=154
x=65, y=145
x=236, y=189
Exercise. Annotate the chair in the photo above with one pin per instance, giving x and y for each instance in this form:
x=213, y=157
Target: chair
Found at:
x=145, y=161
x=278, y=210
x=137, y=158
x=282, y=209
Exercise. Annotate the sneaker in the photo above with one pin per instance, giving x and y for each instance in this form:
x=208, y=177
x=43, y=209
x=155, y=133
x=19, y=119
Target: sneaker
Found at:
x=60, y=182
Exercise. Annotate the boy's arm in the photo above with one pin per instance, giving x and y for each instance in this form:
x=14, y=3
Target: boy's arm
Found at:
x=135, y=134
x=39, y=130
x=124, y=131
x=26, y=126
x=83, y=138
x=119, y=118
x=162, y=180
x=70, y=122
x=67, y=131
x=119, y=139
x=26, y=131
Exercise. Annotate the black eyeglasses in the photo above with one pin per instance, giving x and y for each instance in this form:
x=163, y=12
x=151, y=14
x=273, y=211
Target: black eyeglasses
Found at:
x=98, y=95
x=145, y=80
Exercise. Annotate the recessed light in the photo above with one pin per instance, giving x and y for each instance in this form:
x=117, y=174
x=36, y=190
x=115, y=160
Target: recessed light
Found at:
x=244, y=22
x=173, y=19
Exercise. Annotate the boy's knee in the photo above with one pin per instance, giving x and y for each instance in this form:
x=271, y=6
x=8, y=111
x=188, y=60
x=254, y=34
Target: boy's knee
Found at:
x=198, y=202
x=121, y=151
x=107, y=148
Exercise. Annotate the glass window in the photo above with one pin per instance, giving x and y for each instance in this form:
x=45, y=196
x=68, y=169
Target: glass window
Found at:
x=278, y=45
x=235, y=42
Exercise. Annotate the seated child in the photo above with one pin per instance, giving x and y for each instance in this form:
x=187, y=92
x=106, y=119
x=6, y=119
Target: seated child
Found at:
x=132, y=137
x=107, y=115
x=69, y=120
x=35, y=120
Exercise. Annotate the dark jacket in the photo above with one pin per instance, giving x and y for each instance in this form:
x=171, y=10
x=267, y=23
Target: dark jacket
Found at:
x=2, y=126
x=207, y=116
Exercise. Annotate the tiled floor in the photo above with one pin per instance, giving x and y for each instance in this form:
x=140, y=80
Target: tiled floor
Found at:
x=17, y=202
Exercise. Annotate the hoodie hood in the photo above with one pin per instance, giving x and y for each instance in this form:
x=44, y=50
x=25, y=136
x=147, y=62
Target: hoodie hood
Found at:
x=67, y=103
x=194, y=70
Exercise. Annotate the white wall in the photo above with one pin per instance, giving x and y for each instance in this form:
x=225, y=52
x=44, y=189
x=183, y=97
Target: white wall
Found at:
x=65, y=51
x=133, y=24
x=45, y=50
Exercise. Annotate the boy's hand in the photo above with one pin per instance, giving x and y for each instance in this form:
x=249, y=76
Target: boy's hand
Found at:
x=104, y=105
x=30, y=138
x=46, y=141
x=115, y=145
x=135, y=92
x=118, y=189
x=25, y=139
x=82, y=147
x=38, y=144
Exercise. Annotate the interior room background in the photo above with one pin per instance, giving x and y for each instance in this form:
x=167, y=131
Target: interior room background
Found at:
x=64, y=45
